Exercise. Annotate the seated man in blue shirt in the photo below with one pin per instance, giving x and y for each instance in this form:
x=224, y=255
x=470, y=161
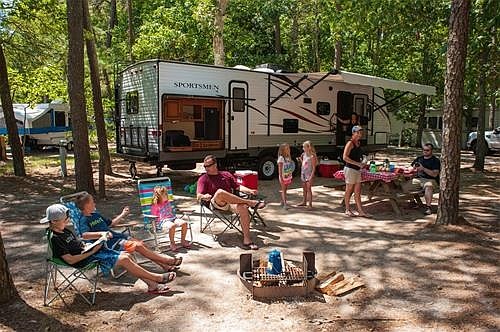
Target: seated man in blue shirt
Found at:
x=93, y=226
x=427, y=167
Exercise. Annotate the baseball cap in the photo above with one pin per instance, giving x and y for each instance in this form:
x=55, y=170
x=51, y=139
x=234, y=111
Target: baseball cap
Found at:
x=356, y=129
x=55, y=212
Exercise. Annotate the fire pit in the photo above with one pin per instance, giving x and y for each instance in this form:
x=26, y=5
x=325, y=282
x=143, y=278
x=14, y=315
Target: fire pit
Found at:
x=297, y=279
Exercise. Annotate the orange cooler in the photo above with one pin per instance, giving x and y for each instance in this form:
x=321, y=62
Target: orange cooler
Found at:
x=248, y=179
x=328, y=167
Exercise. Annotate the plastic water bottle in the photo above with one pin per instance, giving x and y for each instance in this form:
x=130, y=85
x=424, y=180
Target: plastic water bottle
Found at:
x=274, y=262
x=373, y=167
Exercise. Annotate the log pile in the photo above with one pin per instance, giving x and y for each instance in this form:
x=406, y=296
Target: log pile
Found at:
x=335, y=284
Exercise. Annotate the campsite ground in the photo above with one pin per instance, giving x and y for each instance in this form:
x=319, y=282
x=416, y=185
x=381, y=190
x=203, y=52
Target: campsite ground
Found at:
x=417, y=277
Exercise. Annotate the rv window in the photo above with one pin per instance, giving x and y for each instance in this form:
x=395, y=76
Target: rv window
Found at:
x=432, y=122
x=323, y=108
x=42, y=122
x=60, y=120
x=290, y=126
x=132, y=101
x=238, y=100
x=359, y=106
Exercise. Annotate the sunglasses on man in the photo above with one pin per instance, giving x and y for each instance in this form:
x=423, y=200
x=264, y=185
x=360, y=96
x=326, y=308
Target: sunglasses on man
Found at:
x=209, y=165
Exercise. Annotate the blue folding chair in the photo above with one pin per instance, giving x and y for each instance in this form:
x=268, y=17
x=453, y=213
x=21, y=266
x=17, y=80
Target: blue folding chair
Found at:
x=76, y=215
x=146, y=190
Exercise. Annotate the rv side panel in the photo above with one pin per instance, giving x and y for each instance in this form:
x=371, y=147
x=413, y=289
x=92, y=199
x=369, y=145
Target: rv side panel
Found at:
x=139, y=109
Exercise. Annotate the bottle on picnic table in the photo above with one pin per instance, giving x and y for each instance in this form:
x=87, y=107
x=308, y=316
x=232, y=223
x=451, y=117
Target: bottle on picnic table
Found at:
x=386, y=165
x=373, y=167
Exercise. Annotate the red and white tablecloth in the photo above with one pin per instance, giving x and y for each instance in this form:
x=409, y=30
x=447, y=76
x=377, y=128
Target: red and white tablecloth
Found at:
x=367, y=176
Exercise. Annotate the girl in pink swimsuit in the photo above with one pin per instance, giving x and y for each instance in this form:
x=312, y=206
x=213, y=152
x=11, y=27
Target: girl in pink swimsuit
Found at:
x=309, y=162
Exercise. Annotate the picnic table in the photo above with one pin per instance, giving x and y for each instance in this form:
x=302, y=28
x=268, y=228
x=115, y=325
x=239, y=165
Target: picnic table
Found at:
x=386, y=186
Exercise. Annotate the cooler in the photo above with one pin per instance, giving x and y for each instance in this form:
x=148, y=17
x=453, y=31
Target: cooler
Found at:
x=248, y=179
x=328, y=167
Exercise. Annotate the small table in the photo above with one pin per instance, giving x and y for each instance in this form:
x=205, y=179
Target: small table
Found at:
x=383, y=185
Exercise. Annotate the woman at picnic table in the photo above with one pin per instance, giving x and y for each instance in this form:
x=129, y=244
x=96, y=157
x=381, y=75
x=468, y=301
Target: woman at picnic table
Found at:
x=66, y=246
x=353, y=156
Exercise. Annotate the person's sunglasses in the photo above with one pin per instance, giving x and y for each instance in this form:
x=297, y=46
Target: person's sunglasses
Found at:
x=209, y=165
x=426, y=150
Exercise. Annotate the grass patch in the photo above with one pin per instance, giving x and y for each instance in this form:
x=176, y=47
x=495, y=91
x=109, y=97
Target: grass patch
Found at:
x=43, y=159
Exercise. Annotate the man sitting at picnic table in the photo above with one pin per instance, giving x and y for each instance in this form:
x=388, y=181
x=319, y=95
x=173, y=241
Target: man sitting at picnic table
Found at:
x=427, y=167
x=217, y=186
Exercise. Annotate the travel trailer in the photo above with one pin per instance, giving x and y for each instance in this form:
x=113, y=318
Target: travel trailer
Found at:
x=173, y=113
x=43, y=125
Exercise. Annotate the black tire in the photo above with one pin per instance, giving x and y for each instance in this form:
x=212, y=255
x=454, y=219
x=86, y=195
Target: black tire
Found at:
x=70, y=146
x=268, y=169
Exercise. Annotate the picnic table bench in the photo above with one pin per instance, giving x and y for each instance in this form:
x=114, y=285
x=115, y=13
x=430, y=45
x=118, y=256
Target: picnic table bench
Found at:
x=389, y=186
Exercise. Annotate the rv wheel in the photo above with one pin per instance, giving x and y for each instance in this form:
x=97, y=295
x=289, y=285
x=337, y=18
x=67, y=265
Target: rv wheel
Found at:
x=267, y=168
x=133, y=170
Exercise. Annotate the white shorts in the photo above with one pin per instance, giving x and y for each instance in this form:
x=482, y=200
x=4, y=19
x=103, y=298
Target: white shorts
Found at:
x=226, y=207
x=167, y=224
x=352, y=176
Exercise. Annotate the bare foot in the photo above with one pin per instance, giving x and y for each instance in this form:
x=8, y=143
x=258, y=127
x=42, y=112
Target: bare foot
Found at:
x=186, y=245
x=173, y=248
x=364, y=214
x=302, y=204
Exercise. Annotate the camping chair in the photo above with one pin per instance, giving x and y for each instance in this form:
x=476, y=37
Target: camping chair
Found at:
x=57, y=267
x=211, y=215
x=75, y=215
x=146, y=189
x=255, y=216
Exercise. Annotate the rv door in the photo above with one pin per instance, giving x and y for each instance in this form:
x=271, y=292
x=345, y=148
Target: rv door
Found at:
x=238, y=115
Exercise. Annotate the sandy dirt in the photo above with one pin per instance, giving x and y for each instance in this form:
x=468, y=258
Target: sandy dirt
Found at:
x=417, y=277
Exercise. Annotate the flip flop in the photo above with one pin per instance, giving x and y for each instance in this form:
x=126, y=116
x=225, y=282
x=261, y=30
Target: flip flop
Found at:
x=349, y=213
x=260, y=205
x=177, y=261
x=159, y=289
x=251, y=245
x=170, y=268
x=365, y=215
x=168, y=277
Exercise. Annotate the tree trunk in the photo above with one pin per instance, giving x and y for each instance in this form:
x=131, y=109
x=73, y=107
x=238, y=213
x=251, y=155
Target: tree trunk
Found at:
x=316, y=58
x=109, y=40
x=493, y=109
x=218, y=39
x=130, y=30
x=421, y=121
x=7, y=288
x=294, y=37
x=481, y=145
x=111, y=23
x=76, y=91
x=10, y=119
x=277, y=35
x=453, y=102
x=493, y=86
x=97, y=100
x=425, y=70
x=338, y=43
